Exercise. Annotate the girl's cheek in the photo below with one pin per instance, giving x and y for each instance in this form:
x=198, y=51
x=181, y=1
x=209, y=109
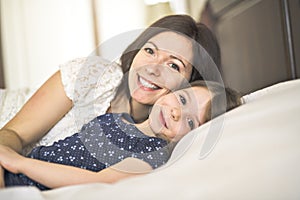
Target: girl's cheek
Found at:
x=183, y=130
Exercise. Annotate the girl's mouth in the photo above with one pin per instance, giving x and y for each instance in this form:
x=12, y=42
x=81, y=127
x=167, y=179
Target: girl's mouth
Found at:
x=162, y=119
x=147, y=84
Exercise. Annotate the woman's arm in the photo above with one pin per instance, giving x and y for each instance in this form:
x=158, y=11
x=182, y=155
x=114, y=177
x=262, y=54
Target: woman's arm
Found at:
x=55, y=175
x=43, y=110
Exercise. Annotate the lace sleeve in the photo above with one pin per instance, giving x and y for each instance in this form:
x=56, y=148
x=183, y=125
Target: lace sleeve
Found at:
x=84, y=78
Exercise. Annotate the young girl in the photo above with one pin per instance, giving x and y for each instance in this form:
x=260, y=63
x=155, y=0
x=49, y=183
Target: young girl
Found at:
x=88, y=156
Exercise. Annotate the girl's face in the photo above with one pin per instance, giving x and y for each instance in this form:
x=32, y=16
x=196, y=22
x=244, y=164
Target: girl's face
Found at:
x=175, y=114
x=160, y=66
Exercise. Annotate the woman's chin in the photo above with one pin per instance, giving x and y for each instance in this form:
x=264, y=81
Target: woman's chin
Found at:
x=143, y=99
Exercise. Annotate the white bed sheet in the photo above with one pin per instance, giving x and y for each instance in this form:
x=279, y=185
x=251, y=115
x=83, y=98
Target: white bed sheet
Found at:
x=256, y=157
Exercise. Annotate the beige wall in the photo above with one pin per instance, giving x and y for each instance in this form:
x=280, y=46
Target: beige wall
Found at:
x=38, y=35
x=195, y=7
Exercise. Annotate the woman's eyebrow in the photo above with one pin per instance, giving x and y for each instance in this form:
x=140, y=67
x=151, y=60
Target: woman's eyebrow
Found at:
x=171, y=56
x=152, y=44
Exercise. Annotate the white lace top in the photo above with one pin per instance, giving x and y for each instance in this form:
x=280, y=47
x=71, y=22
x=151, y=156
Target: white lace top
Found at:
x=90, y=83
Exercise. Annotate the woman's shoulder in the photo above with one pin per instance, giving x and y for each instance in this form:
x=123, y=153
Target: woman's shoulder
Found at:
x=88, y=77
x=89, y=72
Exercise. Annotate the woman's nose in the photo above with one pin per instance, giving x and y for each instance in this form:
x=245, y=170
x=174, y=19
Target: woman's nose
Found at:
x=157, y=64
x=153, y=69
x=175, y=114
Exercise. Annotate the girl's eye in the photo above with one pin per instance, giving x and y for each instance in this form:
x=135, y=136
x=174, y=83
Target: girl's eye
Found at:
x=191, y=124
x=182, y=99
x=174, y=66
x=149, y=50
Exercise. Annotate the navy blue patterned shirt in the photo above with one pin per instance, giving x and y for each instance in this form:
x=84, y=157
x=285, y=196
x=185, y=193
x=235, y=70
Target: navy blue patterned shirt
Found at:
x=104, y=141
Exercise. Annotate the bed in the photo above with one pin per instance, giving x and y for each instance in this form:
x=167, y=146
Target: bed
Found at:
x=255, y=155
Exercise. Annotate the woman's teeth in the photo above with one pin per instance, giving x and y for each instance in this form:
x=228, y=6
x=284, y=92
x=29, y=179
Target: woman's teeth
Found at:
x=146, y=84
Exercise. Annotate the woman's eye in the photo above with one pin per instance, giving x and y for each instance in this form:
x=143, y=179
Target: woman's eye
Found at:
x=149, y=50
x=191, y=124
x=174, y=66
x=182, y=99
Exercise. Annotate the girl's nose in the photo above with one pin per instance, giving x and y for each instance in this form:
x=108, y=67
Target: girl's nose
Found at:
x=175, y=114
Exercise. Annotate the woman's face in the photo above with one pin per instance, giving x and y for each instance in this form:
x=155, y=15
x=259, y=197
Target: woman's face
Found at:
x=160, y=66
x=177, y=113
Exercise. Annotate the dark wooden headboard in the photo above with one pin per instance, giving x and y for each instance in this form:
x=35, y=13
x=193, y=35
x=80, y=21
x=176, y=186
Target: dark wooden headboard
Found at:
x=259, y=40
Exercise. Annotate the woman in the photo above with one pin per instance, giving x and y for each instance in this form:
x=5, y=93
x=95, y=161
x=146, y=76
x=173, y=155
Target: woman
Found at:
x=65, y=102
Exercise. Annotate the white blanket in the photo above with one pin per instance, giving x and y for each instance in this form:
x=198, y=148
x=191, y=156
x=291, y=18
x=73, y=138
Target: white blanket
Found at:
x=256, y=156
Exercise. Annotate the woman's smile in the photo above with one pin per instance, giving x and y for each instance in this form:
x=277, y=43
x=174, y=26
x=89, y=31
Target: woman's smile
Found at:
x=147, y=85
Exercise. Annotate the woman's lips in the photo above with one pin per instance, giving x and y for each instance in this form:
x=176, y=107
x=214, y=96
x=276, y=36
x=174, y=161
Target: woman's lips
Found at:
x=147, y=85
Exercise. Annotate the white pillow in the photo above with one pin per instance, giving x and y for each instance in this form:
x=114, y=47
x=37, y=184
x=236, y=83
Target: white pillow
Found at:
x=279, y=87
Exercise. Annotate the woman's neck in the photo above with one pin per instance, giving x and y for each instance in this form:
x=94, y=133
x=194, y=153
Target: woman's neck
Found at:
x=123, y=103
x=139, y=112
